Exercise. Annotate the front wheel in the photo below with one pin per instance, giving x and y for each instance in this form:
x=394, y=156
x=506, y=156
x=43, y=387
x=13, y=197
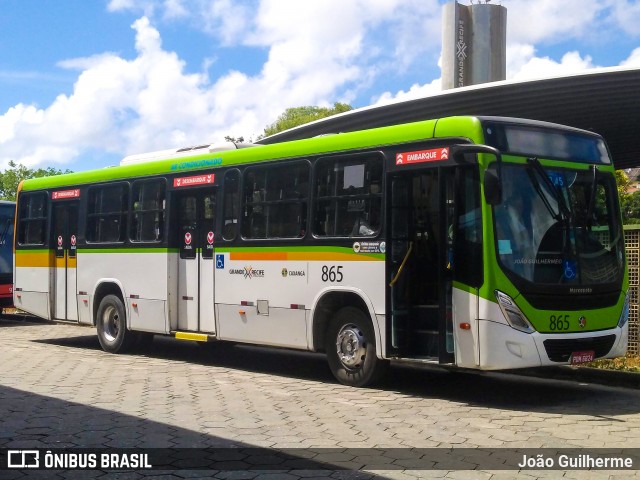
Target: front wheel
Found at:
x=112, y=326
x=351, y=349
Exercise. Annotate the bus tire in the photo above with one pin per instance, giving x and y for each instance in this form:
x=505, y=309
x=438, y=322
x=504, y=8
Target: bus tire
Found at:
x=112, y=326
x=351, y=349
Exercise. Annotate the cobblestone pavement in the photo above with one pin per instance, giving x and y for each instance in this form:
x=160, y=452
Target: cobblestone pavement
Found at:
x=59, y=390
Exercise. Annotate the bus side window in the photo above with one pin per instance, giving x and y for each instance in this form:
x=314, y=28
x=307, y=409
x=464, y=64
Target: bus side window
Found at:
x=349, y=196
x=107, y=209
x=288, y=186
x=275, y=201
x=231, y=204
x=148, y=211
x=32, y=219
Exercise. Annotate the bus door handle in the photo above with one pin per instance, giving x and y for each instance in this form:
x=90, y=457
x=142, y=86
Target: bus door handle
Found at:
x=404, y=261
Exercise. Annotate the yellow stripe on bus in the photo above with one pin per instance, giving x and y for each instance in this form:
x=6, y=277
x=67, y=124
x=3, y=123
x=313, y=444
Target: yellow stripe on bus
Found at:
x=44, y=260
x=71, y=262
x=40, y=259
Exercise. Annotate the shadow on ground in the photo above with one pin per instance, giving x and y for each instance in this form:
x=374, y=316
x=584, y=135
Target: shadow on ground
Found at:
x=485, y=389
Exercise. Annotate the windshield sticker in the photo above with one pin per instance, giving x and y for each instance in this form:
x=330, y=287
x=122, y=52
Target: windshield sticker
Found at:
x=504, y=247
x=570, y=271
x=419, y=156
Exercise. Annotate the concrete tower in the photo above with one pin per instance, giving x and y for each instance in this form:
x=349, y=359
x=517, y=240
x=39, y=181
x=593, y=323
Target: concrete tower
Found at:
x=474, y=39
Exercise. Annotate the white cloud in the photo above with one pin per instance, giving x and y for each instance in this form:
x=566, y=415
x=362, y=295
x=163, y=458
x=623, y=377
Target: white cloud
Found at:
x=416, y=91
x=147, y=7
x=118, y=5
x=626, y=14
x=571, y=62
x=522, y=63
x=117, y=105
x=227, y=20
x=150, y=102
x=551, y=20
x=175, y=9
x=633, y=60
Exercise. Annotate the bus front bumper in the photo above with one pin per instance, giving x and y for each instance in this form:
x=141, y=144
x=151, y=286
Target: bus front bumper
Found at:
x=503, y=347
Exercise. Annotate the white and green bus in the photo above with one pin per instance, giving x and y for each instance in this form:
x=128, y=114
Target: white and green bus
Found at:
x=476, y=242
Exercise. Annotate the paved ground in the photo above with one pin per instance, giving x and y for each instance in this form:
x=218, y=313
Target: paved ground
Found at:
x=59, y=390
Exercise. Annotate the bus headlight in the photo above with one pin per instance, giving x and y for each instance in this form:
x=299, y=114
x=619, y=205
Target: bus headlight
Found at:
x=624, y=316
x=512, y=313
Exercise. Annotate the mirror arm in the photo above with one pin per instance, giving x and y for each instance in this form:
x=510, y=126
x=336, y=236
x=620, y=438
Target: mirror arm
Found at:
x=461, y=149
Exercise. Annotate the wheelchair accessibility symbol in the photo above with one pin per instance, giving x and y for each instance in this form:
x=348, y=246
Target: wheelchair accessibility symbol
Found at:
x=219, y=261
x=569, y=269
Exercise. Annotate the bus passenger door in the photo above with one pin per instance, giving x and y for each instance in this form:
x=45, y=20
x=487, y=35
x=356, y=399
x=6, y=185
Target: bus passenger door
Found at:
x=195, y=222
x=65, y=221
x=420, y=208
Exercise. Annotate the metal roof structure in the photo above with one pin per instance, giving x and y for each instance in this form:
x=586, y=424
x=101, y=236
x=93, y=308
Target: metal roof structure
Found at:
x=605, y=101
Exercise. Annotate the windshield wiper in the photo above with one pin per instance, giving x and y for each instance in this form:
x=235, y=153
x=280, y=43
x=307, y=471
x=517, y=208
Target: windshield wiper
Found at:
x=564, y=216
x=563, y=211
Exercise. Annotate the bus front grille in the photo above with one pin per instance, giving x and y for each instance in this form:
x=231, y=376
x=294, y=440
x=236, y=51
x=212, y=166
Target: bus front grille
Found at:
x=560, y=350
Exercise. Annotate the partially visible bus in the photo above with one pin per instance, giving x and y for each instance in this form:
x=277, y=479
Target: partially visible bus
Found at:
x=7, y=213
x=476, y=242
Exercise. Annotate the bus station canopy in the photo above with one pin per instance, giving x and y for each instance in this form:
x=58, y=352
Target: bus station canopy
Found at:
x=605, y=101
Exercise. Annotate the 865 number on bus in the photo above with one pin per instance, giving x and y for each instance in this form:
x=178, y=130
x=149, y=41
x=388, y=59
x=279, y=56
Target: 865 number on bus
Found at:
x=558, y=322
x=332, y=274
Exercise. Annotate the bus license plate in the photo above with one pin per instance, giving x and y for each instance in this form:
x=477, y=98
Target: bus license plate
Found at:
x=582, y=357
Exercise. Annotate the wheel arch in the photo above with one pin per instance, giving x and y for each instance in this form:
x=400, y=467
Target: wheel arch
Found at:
x=107, y=286
x=326, y=305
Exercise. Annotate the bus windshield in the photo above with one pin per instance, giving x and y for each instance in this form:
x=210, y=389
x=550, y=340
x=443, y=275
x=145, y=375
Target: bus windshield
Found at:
x=559, y=226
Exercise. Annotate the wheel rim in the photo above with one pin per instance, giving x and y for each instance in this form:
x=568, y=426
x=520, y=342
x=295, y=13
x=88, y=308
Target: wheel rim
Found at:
x=351, y=346
x=111, y=323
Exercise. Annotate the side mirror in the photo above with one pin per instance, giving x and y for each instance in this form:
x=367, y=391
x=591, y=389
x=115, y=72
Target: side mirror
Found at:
x=492, y=178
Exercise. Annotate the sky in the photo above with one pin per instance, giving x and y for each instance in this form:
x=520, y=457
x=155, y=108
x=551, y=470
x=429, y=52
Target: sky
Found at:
x=84, y=83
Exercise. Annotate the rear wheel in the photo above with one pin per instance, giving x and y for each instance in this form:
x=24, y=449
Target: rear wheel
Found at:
x=112, y=326
x=351, y=349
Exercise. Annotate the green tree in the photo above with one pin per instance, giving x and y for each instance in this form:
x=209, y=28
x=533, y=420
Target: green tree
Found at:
x=292, y=117
x=629, y=202
x=239, y=139
x=623, y=182
x=630, y=206
x=15, y=173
